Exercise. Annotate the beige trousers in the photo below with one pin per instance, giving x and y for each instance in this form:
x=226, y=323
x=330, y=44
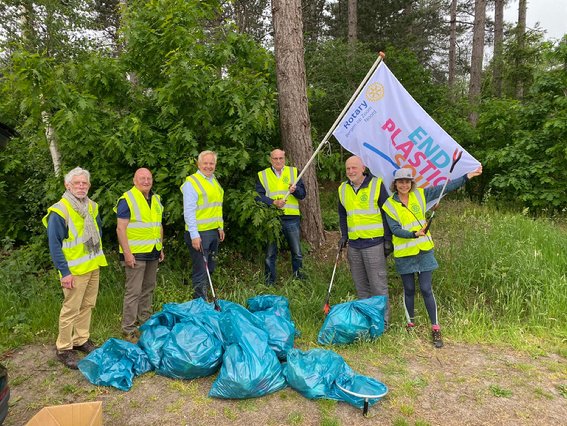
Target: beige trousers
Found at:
x=75, y=316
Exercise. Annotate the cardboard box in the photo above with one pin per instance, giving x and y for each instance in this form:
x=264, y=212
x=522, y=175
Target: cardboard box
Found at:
x=83, y=414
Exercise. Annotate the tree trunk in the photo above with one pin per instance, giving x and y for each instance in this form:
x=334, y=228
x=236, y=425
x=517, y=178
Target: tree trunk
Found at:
x=52, y=142
x=498, y=47
x=352, y=22
x=521, y=31
x=295, y=125
x=452, y=48
x=476, y=59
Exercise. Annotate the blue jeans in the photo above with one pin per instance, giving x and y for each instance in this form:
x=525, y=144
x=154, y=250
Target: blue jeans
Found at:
x=291, y=231
x=210, y=244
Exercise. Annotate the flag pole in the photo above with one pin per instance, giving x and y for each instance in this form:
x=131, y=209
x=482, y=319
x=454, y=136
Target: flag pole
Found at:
x=378, y=61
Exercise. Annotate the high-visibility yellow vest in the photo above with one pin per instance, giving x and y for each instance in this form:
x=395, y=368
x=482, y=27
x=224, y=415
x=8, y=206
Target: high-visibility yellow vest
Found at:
x=364, y=219
x=277, y=186
x=411, y=218
x=144, y=228
x=209, y=203
x=78, y=259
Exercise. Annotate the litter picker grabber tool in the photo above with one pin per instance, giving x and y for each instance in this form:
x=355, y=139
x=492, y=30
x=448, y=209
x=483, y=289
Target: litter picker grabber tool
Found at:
x=215, y=301
x=327, y=307
x=456, y=157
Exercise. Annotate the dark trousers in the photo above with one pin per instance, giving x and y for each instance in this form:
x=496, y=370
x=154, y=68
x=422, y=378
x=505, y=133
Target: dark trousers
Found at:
x=425, y=279
x=291, y=230
x=210, y=244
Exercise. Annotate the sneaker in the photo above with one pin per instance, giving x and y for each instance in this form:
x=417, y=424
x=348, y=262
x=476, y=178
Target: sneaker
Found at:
x=68, y=358
x=437, y=340
x=410, y=327
x=86, y=347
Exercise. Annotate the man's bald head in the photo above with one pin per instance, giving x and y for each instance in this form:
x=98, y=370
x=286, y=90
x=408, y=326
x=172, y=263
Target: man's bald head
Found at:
x=143, y=181
x=355, y=170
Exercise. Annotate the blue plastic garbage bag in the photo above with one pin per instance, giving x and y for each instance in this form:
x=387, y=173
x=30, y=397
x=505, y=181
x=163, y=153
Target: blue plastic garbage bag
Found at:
x=115, y=363
x=313, y=373
x=191, y=349
x=321, y=373
x=249, y=367
x=227, y=306
x=351, y=321
x=156, y=331
x=188, y=309
x=276, y=320
x=152, y=340
x=270, y=302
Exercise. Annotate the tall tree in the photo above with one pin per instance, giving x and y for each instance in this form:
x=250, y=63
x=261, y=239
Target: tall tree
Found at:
x=498, y=47
x=295, y=125
x=417, y=25
x=251, y=17
x=452, y=45
x=520, y=35
x=477, y=58
x=352, y=22
x=313, y=20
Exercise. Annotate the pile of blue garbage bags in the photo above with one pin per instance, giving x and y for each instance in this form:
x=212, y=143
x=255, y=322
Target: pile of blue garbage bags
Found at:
x=252, y=350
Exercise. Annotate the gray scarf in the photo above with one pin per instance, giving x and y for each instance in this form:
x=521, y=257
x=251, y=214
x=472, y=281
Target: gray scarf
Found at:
x=91, y=237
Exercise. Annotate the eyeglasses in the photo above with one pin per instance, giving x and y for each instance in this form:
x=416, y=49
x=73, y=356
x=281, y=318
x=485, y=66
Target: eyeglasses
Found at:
x=278, y=158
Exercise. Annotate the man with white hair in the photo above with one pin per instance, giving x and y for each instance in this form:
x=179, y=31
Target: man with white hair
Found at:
x=204, y=226
x=74, y=233
x=272, y=185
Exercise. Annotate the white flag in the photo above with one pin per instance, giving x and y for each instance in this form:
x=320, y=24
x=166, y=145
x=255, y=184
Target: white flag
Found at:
x=389, y=130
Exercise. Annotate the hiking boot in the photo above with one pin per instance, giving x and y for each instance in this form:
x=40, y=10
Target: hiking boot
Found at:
x=68, y=358
x=410, y=326
x=132, y=337
x=437, y=340
x=86, y=347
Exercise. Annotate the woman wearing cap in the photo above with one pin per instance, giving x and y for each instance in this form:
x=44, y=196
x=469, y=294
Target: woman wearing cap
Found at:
x=413, y=248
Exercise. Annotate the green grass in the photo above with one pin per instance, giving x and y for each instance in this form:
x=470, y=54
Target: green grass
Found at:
x=500, y=392
x=501, y=279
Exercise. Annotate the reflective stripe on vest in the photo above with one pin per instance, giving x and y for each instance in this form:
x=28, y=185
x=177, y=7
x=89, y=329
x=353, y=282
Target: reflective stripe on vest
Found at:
x=404, y=247
x=277, y=186
x=209, y=202
x=78, y=259
x=364, y=219
x=144, y=228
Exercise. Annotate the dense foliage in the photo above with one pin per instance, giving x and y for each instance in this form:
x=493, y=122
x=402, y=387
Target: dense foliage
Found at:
x=191, y=86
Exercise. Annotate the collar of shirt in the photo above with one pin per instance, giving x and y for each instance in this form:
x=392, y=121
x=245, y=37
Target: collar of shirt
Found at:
x=364, y=183
x=210, y=179
x=278, y=174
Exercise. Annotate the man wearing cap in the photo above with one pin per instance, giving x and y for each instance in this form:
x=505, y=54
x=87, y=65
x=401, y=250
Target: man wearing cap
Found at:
x=204, y=226
x=413, y=247
x=74, y=234
x=139, y=229
x=364, y=228
x=272, y=185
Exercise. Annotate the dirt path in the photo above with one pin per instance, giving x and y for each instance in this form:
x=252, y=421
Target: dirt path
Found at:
x=457, y=385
